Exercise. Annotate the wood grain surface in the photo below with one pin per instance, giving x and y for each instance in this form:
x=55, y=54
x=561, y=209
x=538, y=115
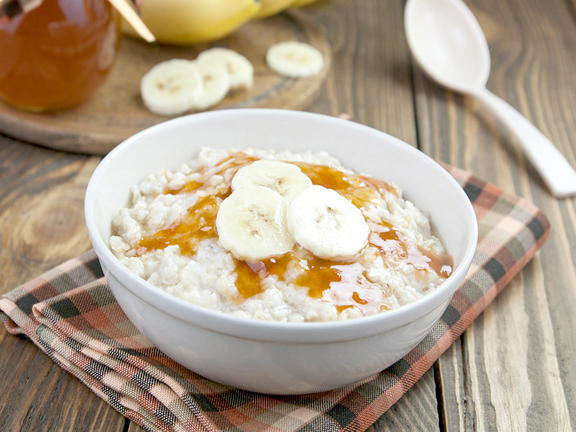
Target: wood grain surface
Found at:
x=513, y=369
x=117, y=112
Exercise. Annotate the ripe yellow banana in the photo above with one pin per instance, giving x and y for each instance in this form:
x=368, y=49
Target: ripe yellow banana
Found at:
x=271, y=7
x=192, y=21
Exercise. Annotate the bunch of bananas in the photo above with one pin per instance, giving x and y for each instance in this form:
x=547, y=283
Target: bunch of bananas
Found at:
x=194, y=21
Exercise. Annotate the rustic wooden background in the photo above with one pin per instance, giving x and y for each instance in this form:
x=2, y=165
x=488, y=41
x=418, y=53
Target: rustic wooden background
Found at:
x=513, y=369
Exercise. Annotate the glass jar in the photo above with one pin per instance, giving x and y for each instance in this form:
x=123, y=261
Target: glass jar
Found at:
x=57, y=55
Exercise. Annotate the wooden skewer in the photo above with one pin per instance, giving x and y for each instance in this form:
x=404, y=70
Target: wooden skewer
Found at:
x=133, y=19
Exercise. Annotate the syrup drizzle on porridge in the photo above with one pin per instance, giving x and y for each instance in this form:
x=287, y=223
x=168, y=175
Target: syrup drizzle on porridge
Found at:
x=336, y=282
x=390, y=243
x=357, y=189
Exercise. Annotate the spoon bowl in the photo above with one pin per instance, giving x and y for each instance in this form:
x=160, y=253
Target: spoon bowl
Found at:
x=449, y=45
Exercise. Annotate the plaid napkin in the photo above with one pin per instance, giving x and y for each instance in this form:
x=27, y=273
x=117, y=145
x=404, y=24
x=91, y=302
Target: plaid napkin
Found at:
x=71, y=315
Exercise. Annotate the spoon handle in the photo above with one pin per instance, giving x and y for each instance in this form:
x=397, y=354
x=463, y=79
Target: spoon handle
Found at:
x=555, y=170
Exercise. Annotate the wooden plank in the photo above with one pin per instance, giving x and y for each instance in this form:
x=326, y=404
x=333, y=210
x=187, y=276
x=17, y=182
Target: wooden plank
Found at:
x=415, y=411
x=133, y=427
x=22, y=370
x=515, y=371
x=41, y=209
x=370, y=78
x=37, y=395
x=455, y=404
x=41, y=225
x=38, y=233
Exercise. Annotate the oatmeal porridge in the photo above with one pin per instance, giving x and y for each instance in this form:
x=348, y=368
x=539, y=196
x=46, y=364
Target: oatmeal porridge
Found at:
x=279, y=236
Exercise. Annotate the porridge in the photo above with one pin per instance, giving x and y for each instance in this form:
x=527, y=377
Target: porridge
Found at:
x=279, y=236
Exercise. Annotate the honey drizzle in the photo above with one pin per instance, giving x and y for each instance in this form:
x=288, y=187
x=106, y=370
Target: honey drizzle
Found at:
x=190, y=186
x=333, y=281
x=351, y=187
x=251, y=275
x=390, y=243
x=196, y=226
x=199, y=223
x=233, y=163
x=379, y=185
x=320, y=276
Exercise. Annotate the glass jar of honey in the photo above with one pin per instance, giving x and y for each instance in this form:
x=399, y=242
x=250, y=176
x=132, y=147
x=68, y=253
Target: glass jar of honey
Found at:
x=58, y=54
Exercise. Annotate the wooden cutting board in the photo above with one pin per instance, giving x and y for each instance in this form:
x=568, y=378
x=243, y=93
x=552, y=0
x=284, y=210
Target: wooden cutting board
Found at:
x=116, y=111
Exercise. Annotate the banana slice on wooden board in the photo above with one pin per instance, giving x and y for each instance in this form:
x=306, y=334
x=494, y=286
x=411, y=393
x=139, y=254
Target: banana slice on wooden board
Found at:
x=238, y=67
x=294, y=59
x=216, y=86
x=172, y=87
x=283, y=178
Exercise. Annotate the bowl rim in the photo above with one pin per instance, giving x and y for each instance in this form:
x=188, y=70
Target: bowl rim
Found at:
x=308, y=332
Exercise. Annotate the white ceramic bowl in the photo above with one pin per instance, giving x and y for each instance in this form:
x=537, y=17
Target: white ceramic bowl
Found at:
x=270, y=357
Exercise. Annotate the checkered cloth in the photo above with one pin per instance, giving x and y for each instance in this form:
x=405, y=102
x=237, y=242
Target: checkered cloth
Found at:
x=71, y=315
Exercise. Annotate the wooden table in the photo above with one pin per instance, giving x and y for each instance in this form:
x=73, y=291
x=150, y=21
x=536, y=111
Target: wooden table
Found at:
x=513, y=369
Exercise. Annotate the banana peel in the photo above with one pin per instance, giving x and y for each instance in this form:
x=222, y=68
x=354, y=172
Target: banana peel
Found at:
x=183, y=22
x=272, y=7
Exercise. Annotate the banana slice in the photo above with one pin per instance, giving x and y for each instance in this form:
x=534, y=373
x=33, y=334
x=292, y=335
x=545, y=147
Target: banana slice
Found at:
x=294, y=59
x=283, y=178
x=171, y=87
x=216, y=86
x=251, y=223
x=238, y=67
x=327, y=224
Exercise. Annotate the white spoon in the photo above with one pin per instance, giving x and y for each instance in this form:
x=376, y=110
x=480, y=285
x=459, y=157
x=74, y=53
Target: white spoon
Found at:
x=449, y=45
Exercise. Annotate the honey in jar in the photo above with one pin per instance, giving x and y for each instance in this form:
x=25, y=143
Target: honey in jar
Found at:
x=57, y=55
